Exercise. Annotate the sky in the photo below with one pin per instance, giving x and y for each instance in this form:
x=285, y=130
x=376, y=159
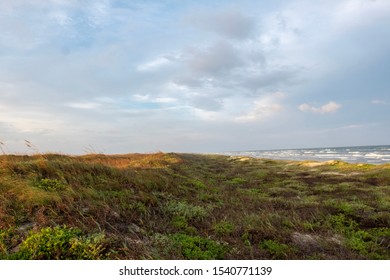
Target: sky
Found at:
x=116, y=76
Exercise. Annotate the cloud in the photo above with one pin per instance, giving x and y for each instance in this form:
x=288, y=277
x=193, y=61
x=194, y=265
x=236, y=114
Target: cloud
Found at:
x=263, y=108
x=271, y=78
x=358, y=13
x=379, y=102
x=217, y=59
x=228, y=23
x=206, y=102
x=153, y=99
x=29, y=120
x=84, y=105
x=153, y=65
x=77, y=71
x=330, y=107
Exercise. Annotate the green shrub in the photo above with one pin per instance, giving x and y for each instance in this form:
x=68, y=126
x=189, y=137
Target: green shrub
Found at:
x=371, y=244
x=50, y=184
x=223, y=228
x=198, y=184
x=180, y=222
x=276, y=249
x=61, y=243
x=88, y=247
x=187, y=210
x=163, y=247
x=342, y=224
x=359, y=241
x=198, y=248
x=311, y=226
x=238, y=181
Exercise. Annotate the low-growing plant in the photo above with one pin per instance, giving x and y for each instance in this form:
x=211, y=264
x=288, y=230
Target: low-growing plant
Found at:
x=312, y=225
x=198, y=184
x=365, y=242
x=238, y=181
x=179, y=222
x=49, y=184
x=163, y=247
x=199, y=248
x=187, y=210
x=223, y=228
x=359, y=241
x=341, y=223
x=276, y=249
x=8, y=240
x=61, y=243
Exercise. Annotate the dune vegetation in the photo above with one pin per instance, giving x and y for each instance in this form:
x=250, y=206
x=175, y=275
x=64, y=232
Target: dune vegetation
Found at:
x=190, y=206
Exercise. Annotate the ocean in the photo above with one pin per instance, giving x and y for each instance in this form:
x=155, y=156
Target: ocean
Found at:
x=361, y=154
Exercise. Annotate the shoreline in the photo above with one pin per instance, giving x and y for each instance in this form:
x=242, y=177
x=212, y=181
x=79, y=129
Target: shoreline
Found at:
x=358, y=154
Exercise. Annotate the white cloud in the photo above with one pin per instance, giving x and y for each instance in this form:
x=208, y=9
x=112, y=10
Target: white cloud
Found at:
x=140, y=97
x=379, y=102
x=133, y=66
x=264, y=107
x=356, y=13
x=164, y=100
x=205, y=115
x=330, y=107
x=84, y=105
x=151, y=99
x=27, y=120
x=153, y=65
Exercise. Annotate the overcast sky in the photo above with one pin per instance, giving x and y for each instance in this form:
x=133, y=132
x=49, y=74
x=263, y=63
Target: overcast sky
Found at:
x=193, y=76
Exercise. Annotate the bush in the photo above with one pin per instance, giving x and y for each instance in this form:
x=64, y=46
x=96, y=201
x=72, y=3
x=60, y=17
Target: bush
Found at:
x=198, y=248
x=276, y=249
x=223, y=228
x=187, y=210
x=50, y=184
x=61, y=243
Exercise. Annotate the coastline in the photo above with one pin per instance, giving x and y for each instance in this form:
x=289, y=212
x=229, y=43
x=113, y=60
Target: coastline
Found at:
x=379, y=154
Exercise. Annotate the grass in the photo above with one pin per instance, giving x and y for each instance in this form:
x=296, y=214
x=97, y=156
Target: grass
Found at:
x=187, y=206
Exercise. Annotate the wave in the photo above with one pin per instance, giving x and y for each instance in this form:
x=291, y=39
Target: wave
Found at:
x=364, y=154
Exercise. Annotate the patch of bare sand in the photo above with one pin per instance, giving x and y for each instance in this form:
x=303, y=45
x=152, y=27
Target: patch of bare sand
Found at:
x=308, y=242
x=318, y=163
x=341, y=174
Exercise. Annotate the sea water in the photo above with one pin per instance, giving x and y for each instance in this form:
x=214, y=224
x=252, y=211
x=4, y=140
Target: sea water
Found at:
x=361, y=154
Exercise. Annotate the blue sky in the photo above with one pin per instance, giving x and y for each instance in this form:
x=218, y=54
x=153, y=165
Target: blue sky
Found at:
x=193, y=76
